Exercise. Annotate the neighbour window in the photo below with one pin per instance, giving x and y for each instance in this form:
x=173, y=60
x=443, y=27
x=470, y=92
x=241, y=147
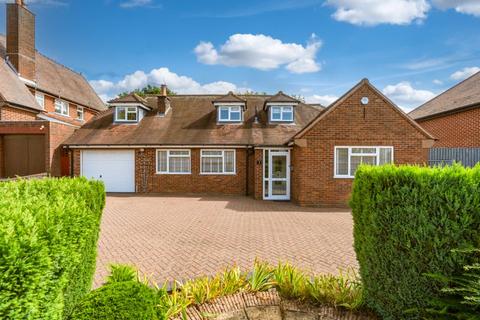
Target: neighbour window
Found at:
x=281, y=113
x=229, y=114
x=61, y=107
x=127, y=114
x=80, y=113
x=173, y=161
x=347, y=159
x=217, y=162
x=40, y=99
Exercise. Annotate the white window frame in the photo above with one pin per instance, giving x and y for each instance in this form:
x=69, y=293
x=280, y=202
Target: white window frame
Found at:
x=223, y=161
x=229, y=110
x=82, y=111
x=376, y=154
x=283, y=110
x=189, y=156
x=117, y=108
x=40, y=97
x=64, y=107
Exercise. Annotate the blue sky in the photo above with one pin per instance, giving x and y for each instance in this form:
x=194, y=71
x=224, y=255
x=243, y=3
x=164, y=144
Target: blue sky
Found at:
x=409, y=49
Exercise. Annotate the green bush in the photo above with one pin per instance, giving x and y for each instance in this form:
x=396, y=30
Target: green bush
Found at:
x=406, y=222
x=48, y=236
x=121, y=300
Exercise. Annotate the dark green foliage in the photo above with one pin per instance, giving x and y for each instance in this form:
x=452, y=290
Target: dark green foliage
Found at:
x=48, y=237
x=406, y=222
x=461, y=293
x=121, y=300
x=149, y=89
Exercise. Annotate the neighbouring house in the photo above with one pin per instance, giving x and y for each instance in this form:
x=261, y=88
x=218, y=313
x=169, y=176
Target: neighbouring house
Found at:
x=453, y=117
x=269, y=147
x=41, y=102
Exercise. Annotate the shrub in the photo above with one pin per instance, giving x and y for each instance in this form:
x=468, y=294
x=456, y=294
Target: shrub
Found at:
x=461, y=293
x=121, y=273
x=120, y=300
x=406, y=221
x=49, y=232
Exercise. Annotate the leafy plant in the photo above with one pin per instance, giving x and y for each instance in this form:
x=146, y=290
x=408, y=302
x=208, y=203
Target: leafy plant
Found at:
x=407, y=219
x=261, y=277
x=290, y=282
x=173, y=303
x=461, y=293
x=121, y=273
x=232, y=280
x=202, y=289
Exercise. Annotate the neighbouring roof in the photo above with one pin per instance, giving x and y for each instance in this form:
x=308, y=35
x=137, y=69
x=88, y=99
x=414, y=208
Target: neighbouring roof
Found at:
x=464, y=94
x=55, y=79
x=13, y=90
x=193, y=121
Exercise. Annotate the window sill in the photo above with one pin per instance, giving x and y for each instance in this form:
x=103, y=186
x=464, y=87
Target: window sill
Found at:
x=61, y=114
x=343, y=177
x=174, y=173
x=217, y=174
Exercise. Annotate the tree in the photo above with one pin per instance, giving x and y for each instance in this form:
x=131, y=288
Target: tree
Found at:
x=149, y=89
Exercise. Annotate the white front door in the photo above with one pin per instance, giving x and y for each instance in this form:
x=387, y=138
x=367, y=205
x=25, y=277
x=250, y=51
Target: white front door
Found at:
x=276, y=174
x=116, y=168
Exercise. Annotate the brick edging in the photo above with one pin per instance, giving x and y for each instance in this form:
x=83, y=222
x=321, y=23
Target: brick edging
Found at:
x=244, y=301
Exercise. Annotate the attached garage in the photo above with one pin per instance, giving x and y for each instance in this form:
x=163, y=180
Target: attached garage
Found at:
x=116, y=168
x=23, y=154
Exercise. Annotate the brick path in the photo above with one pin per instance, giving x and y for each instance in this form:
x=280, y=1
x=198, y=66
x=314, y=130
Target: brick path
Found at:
x=178, y=237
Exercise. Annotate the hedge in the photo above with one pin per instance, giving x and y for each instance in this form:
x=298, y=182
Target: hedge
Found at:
x=407, y=220
x=48, y=235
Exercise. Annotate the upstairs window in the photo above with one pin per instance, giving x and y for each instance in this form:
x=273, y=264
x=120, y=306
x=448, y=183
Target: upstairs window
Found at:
x=173, y=162
x=40, y=97
x=230, y=114
x=126, y=114
x=217, y=162
x=347, y=159
x=281, y=113
x=80, y=113
x=61, y=107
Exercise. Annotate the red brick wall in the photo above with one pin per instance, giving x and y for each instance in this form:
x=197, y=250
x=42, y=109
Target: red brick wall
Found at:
x=455, y=130
x=71, y=118
x=350, y=124
x=191, y=183
x=258, y=174
x=58, y=134
x=14, y=114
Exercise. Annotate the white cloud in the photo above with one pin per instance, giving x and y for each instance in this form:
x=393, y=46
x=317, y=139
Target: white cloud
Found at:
x=181, y=84
x=139, y=3
x=324, y=100
x=463, y=6
x=261, y=52
x=405, y=96
x=437, y=82
x=373, y=12
x=464, y=73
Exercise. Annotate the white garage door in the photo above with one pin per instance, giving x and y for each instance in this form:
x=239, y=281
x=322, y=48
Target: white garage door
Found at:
x=116, y=168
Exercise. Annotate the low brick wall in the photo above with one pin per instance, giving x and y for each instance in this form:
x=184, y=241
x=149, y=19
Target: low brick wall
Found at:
x=266, y=306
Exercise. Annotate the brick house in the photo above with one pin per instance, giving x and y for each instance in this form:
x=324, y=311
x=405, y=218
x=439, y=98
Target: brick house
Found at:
x=41, y=101
x=453, y=117
x=269, y=147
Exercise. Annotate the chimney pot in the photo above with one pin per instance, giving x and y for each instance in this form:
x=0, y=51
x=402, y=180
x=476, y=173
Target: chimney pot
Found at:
x=163, y=88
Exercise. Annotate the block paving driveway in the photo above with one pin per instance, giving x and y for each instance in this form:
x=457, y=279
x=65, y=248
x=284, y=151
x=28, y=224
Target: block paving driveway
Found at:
x=179, y=237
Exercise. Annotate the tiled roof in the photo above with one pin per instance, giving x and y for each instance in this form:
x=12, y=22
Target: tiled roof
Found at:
x=59, y=80
x=464, y=94
x=13, y=90
x=281, y=97
x=229, y=97
x=131, y=98
x=192, y=120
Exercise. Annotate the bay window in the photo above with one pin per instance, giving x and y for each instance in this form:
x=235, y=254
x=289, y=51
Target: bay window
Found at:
x=347, y=159
x=173, y=162
x=217, y=162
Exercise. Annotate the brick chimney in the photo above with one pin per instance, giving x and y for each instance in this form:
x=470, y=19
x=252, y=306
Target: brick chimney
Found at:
x=21, y=39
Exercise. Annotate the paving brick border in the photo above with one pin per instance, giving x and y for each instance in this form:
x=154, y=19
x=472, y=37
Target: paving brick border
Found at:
x=267, y=306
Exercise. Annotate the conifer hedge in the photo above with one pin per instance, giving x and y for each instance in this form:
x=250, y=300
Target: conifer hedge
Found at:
x=407, y=220
x=48, y=236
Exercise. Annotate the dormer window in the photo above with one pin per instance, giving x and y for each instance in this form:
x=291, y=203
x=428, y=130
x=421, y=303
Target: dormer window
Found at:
x=126, y=114
x=229, y=114
x=281, y=113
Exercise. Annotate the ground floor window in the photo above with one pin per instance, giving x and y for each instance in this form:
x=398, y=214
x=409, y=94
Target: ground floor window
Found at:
x=173, y=161
x=347, y=159
x=217, y=162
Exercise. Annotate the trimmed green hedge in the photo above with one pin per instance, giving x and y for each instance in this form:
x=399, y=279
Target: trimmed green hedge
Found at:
x=407, y=220
x=48, y=235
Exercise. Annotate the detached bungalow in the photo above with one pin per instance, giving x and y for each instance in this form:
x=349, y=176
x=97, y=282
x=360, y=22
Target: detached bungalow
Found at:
x=269, y=147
